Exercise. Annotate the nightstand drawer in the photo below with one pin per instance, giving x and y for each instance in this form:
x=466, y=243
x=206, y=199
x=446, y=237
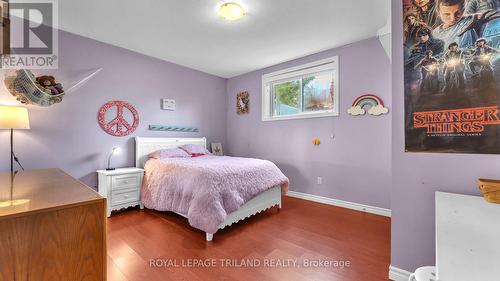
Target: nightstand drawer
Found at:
x=124, y=196
x=122, y=188
x=126, y=181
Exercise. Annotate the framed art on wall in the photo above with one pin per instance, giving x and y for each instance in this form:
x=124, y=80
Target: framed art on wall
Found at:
x=242, y=102
x=217, y=149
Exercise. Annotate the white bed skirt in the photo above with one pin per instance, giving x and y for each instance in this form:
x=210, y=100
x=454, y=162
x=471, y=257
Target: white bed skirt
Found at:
x=259, y=203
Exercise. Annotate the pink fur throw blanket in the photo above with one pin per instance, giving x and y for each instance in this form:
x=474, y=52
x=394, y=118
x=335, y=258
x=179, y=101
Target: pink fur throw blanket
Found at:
x=207, y=188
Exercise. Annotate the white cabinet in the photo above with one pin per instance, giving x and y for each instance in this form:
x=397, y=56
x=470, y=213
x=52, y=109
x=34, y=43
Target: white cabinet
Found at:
x=121, y=187
x=467, y=235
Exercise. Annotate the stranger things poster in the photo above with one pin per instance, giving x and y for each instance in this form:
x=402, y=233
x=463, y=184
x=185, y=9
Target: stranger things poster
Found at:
x=452, y=75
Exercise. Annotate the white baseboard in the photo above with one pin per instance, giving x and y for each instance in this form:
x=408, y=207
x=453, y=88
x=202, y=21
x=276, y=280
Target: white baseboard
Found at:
x=341, y=203
x=397, y=274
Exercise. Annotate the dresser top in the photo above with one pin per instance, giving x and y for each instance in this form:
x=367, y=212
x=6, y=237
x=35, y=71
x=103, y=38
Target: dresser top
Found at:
x=467, y=232
x=38, y=190
x=120, y=171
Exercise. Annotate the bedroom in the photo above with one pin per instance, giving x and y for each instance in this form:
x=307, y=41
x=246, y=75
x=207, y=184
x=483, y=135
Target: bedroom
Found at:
x=336, y=194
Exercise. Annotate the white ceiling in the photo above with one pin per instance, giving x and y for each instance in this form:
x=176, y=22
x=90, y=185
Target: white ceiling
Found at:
x=189, y=32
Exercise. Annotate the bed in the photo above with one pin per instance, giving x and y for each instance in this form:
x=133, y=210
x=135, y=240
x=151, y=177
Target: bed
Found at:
x=269, y=184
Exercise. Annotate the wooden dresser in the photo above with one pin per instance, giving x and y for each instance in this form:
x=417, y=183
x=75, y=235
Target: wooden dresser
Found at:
x=52, y=228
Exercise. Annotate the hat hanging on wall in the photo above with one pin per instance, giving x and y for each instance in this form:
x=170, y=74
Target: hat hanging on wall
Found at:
x=374, y=104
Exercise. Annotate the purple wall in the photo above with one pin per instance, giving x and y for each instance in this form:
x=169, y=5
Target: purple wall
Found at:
x=418, y=175
x=67, y=135
x=355, y=165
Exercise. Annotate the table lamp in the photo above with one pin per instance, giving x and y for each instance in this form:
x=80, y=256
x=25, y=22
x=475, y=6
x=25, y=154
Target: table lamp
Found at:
x=114, y=151
x=13, y=117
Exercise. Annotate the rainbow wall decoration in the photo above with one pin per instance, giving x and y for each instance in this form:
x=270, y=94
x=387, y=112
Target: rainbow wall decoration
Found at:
x=375, y=104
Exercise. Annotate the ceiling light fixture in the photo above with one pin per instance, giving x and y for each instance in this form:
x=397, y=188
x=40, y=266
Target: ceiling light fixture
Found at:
x=231, y=11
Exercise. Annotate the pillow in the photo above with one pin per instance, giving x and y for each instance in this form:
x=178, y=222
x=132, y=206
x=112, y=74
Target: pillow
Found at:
x=169, y=153
x=195, y=150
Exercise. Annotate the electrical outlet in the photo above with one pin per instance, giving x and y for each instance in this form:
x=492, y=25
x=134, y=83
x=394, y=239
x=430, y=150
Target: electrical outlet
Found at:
x=319, y=180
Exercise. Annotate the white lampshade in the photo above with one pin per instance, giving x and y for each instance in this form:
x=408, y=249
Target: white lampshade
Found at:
x=13, y=117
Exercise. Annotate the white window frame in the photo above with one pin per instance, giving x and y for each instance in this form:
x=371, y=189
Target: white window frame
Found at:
x=315, y=67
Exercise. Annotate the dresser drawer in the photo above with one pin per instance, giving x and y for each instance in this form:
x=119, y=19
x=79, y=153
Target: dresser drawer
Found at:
x=124, y=196
x=126, y=181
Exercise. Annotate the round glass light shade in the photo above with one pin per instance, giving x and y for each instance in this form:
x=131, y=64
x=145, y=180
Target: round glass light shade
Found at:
x=231, y=11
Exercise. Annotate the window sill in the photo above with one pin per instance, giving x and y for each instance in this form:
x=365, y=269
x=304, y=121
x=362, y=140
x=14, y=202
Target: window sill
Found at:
x=301, y=116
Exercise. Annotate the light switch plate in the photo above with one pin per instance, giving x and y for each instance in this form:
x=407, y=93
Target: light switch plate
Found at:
x=168, y=104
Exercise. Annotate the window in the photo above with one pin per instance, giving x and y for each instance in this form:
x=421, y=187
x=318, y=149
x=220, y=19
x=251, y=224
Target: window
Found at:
x=305, y=91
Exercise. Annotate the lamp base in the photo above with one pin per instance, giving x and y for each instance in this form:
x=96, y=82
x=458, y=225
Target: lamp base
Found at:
x=110, y=169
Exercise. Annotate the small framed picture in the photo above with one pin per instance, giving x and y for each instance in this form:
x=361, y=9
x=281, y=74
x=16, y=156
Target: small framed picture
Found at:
x=217, y=149
x=242, y=102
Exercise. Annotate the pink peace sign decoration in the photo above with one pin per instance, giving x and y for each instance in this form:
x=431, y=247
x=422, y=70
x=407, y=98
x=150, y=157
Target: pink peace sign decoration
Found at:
x=119, y=126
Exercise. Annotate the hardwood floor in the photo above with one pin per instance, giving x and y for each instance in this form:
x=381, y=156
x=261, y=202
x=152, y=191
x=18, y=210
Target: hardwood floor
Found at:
x=301, y=231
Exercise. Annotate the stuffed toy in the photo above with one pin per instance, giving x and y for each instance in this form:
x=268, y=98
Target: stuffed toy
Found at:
x=50, y=85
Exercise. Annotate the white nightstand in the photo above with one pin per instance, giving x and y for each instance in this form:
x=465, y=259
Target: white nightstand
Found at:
x=121, y=187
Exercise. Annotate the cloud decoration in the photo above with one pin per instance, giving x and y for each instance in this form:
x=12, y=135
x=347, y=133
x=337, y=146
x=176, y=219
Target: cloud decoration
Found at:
x=378, y=110
x=375, y=103
x=356, y=110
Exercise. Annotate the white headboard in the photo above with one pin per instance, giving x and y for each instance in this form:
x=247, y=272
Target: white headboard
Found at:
x=144, y=146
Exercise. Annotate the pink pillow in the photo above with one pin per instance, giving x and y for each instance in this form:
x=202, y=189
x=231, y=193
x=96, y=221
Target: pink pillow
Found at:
x=169, y=153
x=195, y=150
